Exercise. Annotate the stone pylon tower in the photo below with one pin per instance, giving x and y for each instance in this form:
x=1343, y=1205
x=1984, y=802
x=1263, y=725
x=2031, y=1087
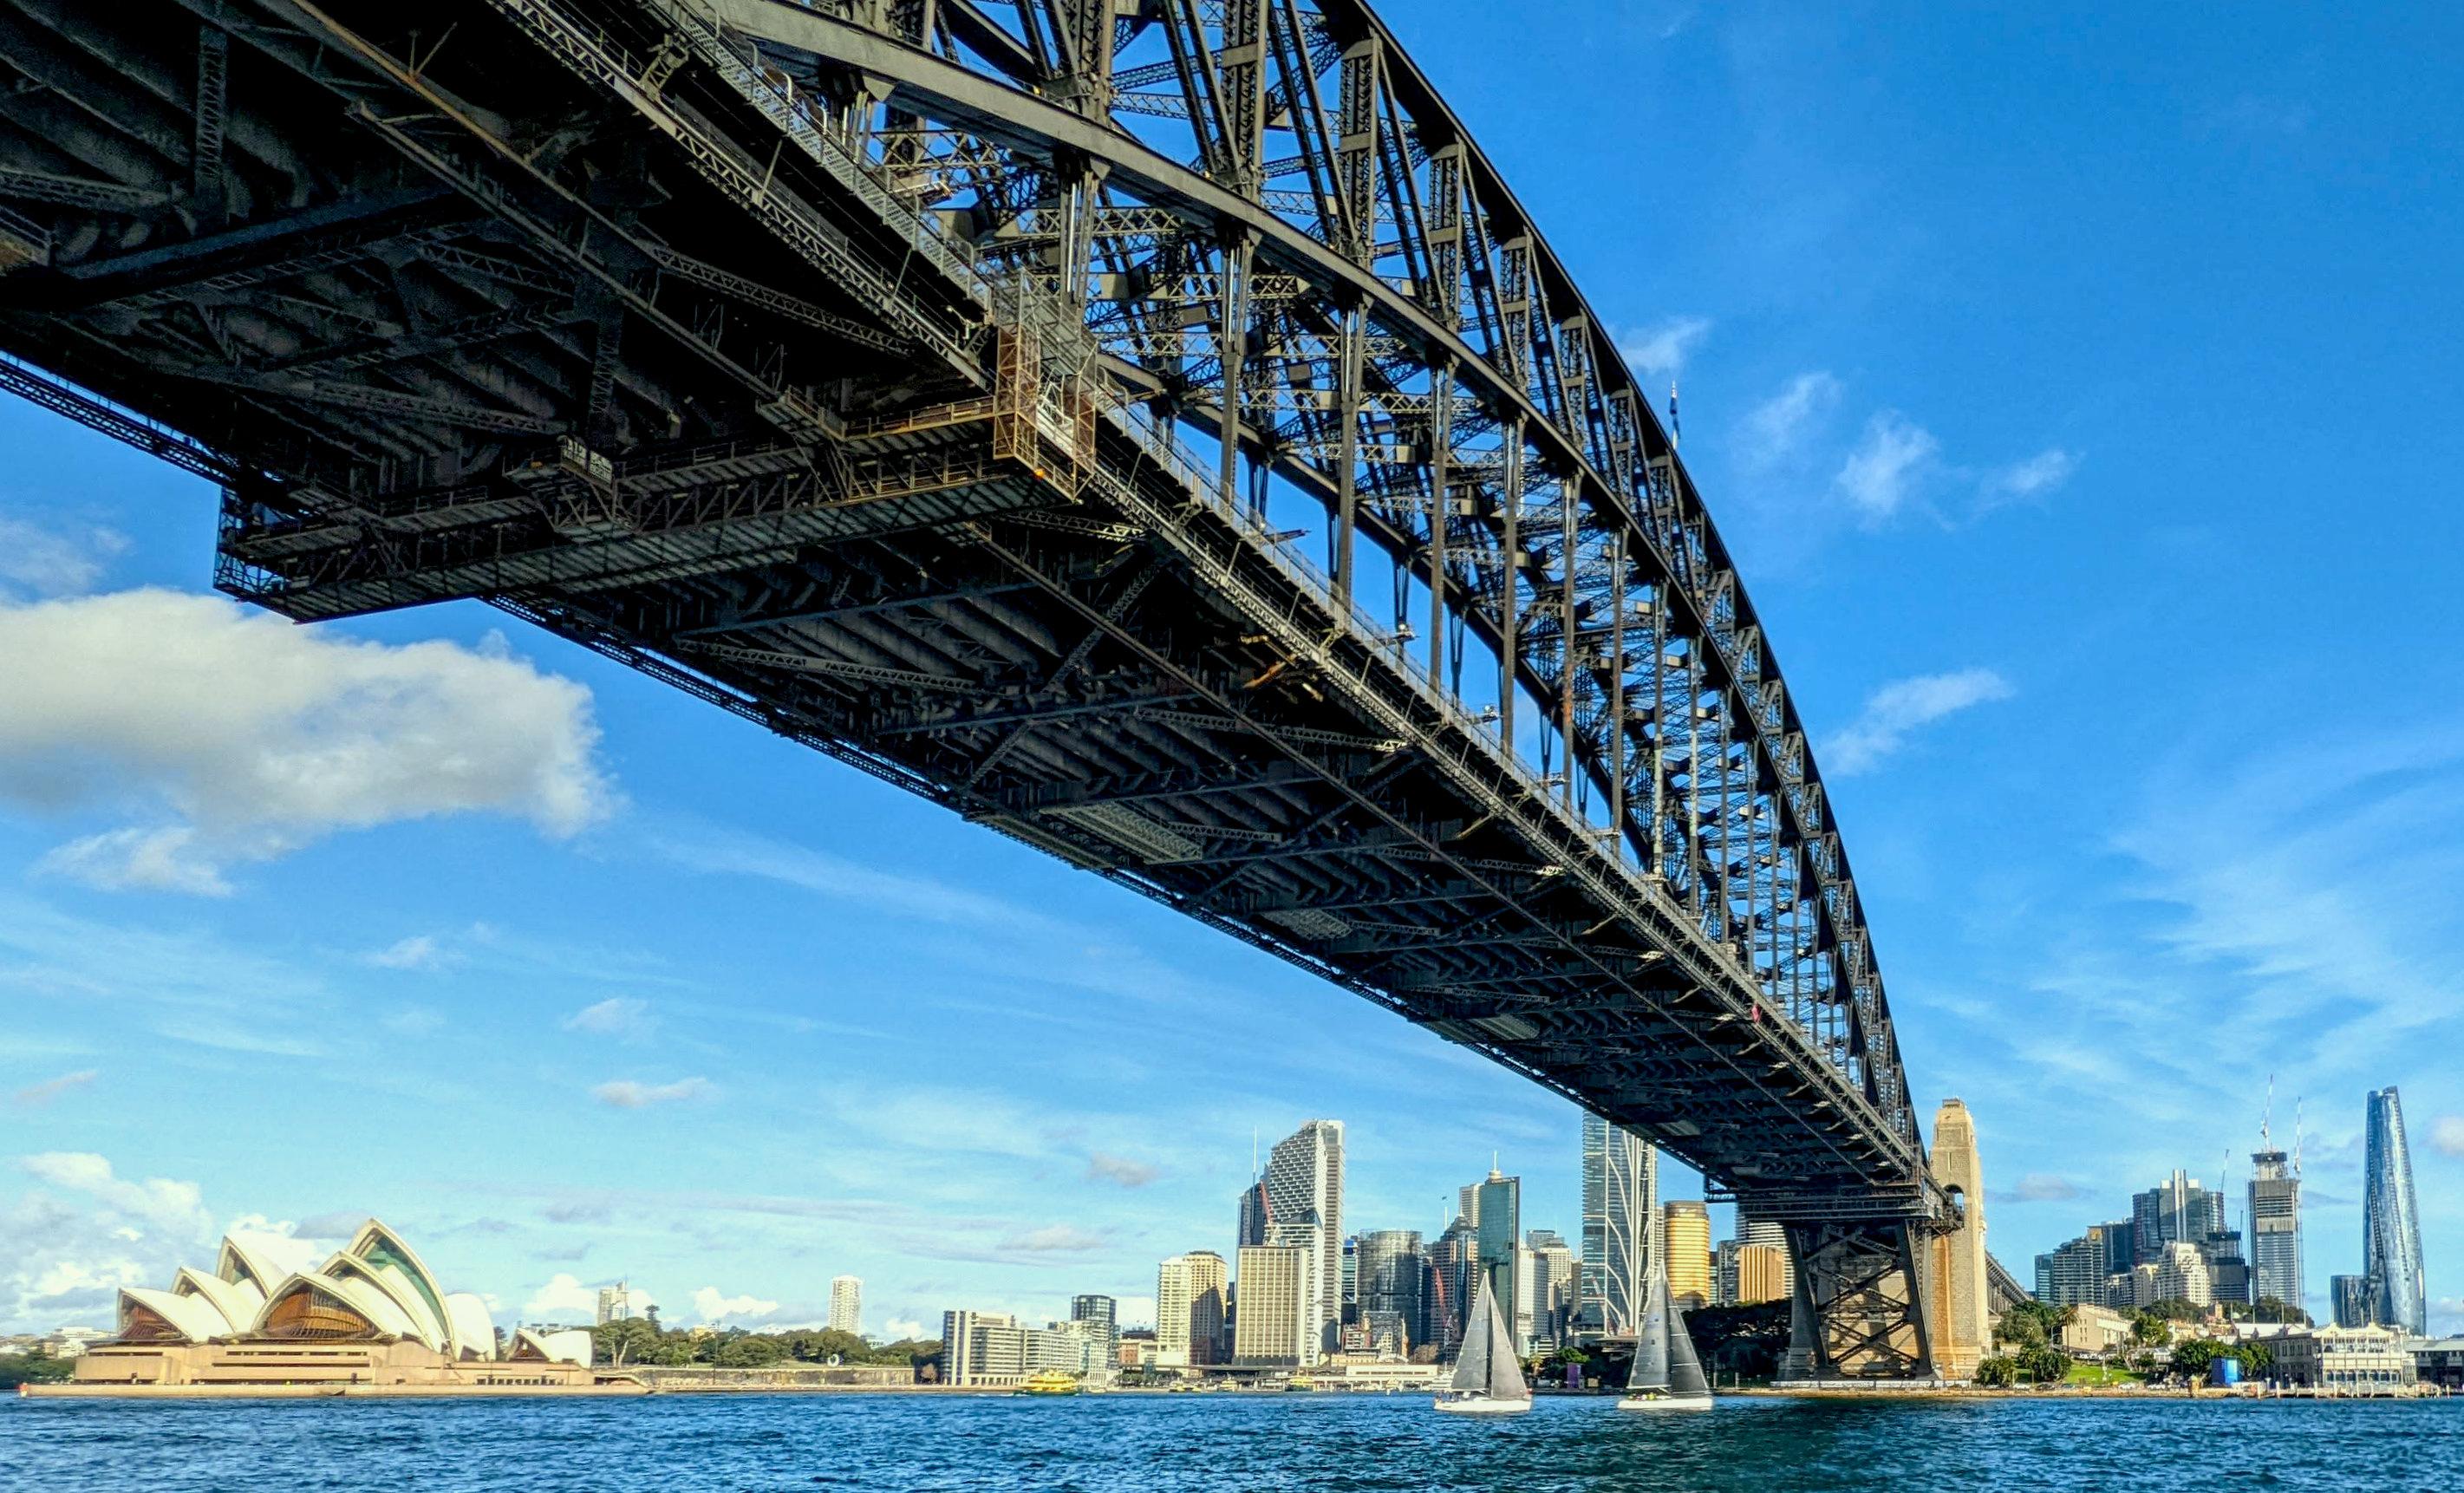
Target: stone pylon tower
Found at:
x=1964, y=1327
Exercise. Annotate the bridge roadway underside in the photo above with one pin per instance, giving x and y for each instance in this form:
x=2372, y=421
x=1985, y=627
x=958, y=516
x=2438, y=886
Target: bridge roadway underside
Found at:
x=465, y=322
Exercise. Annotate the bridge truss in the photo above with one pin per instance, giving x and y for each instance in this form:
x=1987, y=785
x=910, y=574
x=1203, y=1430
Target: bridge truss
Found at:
x=1150, y=429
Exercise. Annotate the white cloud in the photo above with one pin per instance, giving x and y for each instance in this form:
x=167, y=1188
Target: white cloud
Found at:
x=624, y=1094
x=51, y=1088
x=48, y=562
x=563, y=1294
x=232, y=735
x=903, y=1328
x=1054, y=1237
x=420, y=952
x=1778, y=427
x=64, y=1260
x=1660, y=351
x=1102, y=1167
x=1884, y=470
x=2447, y=1136
x=620, y=1016
x=2038, y=476
x=713, y=1307
x=1899, y=707
x=412, y=1020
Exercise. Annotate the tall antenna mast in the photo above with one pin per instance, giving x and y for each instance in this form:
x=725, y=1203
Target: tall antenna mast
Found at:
x=2268, y=1113
x=2297, y=1135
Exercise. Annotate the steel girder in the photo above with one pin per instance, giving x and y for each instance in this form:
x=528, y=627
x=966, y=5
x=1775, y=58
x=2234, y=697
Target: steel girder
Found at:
x=834, y=363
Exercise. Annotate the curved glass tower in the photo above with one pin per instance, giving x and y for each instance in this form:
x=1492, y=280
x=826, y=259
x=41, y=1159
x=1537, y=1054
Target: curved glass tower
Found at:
x=2390, y=1224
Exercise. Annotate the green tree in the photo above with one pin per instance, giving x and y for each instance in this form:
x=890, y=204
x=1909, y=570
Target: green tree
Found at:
x=2043, y=1364
x=35, y=1368
x=2258, y=1360
x=2149, y=1329
x=2192, y=1357
x=1998, y=1374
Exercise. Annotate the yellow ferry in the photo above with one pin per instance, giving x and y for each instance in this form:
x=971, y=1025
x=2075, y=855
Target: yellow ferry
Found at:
x=1049, y=1381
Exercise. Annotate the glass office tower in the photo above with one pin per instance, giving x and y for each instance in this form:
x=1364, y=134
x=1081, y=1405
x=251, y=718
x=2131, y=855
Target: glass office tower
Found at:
x=2390, y=1222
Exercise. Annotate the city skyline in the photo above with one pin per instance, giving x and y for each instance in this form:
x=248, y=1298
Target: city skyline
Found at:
x=1983, y=409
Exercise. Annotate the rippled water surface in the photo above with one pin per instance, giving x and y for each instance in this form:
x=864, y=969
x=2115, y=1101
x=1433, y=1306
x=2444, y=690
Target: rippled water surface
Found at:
x=685, y=1444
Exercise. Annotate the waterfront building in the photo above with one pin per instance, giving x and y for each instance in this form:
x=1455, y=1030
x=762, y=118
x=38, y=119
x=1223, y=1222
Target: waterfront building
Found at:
x=2094, y=1328
x=1620, y=1224
x=1686, y=1225
x=2440, y=1361
x=1276, y=1326
x=995, y=1350
x=2177, y=1211
x=1102, y=1314
x=1305, y=1187
x=2348, y=1298
x=371, y=1313
x=1498, y=1219
x=847, y=1305
x=2391, y=1222
x=1190, y=1302
x=1392, y=1273
x=2365, y=1360
x=2275, y=1229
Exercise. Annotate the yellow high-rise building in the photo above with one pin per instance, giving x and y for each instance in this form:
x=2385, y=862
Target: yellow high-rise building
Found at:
x=1687, y=1226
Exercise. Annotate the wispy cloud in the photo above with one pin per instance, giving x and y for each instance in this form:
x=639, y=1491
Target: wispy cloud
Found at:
x=50, y=1089
x=419, y=952
x=2023, y=480
x=46, y=561
x=2039, y=1187
x=1901, y=707
x=1660, y=351
x=1887, y=466
x=624, y=1094
x=1054, y=1238
x=1101, y=1168
x=723, y=852
x=2447, y=1136
x=1778, y=428
x=622, y=1016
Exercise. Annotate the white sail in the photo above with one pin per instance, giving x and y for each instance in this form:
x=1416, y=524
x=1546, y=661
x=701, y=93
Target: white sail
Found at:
x=1651, y=1341
x=1684, y=1371
x=1471, y=1364
x=1505, y=1370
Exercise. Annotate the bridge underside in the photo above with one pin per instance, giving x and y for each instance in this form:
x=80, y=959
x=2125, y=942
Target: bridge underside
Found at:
x=604, y=314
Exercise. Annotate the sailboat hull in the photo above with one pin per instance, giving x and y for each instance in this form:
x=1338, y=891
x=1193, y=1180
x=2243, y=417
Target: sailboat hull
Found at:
x=1663, y=1403
x=1483, y=1407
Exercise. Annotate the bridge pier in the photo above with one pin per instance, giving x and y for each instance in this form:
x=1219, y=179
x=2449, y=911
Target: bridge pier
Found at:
x=1862, y=1312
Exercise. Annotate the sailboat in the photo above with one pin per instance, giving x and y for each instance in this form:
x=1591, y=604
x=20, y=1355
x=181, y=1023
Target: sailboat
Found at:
x=1667, y=1374
x=1487, y=1381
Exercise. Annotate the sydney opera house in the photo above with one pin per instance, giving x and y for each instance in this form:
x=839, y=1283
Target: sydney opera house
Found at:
x=270, y=1318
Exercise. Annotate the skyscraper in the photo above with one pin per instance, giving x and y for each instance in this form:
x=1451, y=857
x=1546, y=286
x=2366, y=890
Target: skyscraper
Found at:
x=1621, y=1218
x=1102, y=1316
x=1763, y=1232
x=1277, y=1323
x=1499, y=1230
x=1454, y=1268
x=2275, y=1228
x=1256, y=1214
x=2177, y=1211
x=1305, y=1186
x=1393, y=1284
x=1189, y=1308
x=2390, y=1222
x=1686, y=1228
x=847, y=1305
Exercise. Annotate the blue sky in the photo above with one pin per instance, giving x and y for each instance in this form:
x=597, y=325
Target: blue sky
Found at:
x=2079, y=388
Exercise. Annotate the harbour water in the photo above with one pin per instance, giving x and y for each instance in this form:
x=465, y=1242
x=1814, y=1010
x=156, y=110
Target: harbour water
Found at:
x=1168, y=1444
